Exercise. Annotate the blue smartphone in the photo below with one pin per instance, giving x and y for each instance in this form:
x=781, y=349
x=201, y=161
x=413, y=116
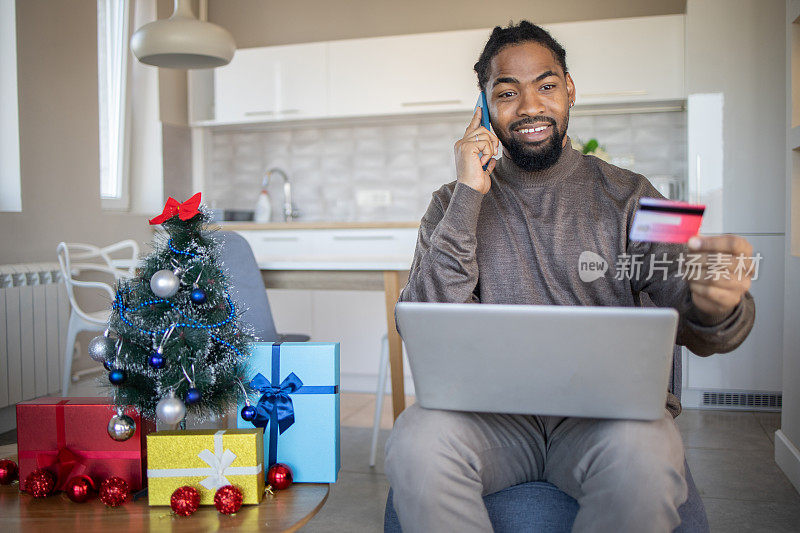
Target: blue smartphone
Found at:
x=484, y=105
x=485, y=122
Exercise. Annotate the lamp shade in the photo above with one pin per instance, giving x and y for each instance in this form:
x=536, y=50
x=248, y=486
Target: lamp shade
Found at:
x=182, y=41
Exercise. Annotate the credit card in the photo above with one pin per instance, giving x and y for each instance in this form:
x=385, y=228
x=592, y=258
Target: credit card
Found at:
x=659, y=220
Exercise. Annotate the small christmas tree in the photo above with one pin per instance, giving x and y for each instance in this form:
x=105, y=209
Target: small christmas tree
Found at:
x=178, y=344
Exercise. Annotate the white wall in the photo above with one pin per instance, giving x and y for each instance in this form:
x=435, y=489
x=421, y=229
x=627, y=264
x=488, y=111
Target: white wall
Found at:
x=58, y=127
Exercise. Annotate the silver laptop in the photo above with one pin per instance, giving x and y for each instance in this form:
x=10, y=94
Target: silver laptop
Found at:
x=596, y=362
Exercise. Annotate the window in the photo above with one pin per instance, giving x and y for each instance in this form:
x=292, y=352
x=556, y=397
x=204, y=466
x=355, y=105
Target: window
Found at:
x=10, y=186
x=112, y=74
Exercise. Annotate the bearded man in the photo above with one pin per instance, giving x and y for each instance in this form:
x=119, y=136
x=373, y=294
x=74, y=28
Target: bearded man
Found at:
x=512, y=233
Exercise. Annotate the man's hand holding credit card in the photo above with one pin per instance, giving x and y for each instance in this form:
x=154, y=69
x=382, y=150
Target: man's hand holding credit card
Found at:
x=659, y=220
x=717, y=286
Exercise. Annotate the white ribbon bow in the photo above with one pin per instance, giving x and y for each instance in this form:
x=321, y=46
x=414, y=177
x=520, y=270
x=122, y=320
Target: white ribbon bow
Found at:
x=220, y=460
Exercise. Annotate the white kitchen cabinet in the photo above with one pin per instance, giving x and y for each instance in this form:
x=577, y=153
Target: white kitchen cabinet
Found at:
x=756, y=364
x=421, y=73
x=624, y=60
x=333, y=249
x=272, y=83
x=611, y=61
x=739, y=174
x=281, y=244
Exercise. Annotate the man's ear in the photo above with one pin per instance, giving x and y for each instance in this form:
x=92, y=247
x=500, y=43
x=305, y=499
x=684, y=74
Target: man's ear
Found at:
x=570, y=87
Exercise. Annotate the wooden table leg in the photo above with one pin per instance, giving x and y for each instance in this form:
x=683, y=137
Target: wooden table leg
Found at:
x=391, y=287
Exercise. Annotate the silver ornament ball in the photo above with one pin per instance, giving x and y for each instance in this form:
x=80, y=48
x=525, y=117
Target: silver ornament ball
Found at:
x=164, y=283
x=170, y=409
x=101, y=348
x=121, y=427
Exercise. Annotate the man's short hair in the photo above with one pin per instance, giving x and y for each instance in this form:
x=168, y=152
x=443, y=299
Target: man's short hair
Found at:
x=516, y=34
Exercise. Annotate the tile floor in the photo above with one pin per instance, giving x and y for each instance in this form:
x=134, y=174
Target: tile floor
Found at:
x=730, y=454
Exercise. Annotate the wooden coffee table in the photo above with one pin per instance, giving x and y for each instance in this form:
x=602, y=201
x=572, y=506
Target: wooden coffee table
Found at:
x=287, y=510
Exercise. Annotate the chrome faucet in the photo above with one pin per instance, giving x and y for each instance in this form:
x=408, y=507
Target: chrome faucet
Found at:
x=289, y=212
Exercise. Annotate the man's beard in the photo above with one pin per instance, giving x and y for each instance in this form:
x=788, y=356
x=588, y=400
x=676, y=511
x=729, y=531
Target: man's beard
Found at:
x=541, y=156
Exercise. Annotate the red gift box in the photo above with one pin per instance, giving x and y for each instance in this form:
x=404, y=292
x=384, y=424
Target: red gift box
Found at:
x=69, y=437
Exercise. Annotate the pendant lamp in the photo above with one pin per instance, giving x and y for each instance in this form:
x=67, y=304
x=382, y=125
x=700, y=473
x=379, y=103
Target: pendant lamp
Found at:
x=182, y=41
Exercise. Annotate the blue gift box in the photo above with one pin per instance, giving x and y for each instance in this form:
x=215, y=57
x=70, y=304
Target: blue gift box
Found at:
x=298, y=406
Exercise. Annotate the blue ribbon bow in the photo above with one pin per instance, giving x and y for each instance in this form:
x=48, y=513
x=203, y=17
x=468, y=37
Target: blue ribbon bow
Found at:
x=275, y=400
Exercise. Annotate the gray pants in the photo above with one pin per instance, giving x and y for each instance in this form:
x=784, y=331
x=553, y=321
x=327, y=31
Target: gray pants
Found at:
x=625, y=475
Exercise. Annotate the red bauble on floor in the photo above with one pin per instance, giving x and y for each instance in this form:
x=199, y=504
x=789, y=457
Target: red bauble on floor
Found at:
x=228, y=499
x=79, y=489
x=185, y=500
x=114, y=491
x=279, y=476
x=40, y=483
x=8, y=471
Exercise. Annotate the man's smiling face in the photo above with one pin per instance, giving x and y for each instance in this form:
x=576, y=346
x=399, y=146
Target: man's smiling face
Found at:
x=529, y=98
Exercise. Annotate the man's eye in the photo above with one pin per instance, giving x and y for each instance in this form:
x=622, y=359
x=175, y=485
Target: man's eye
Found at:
x=548, y=86
x=506, y=94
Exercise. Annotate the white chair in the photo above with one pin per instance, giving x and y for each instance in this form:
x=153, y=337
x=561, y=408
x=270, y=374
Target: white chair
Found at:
x=76, y=259
x=382, y=374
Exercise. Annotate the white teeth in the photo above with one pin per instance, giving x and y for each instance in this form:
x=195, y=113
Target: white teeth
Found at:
x=533, y=130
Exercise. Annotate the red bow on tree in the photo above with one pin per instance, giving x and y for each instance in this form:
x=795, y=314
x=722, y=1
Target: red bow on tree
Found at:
x=185, y=210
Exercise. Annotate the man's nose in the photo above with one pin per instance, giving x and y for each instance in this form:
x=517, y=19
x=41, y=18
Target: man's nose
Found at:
x=530, y=103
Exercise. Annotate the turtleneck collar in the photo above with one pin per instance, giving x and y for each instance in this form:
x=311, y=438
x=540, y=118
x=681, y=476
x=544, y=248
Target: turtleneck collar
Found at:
x=508, y=171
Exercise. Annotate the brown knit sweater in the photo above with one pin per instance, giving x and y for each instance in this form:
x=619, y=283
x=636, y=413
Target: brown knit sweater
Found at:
x=520, y=243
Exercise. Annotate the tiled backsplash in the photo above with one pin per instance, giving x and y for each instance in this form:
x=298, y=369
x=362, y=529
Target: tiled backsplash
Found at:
x=329, y=164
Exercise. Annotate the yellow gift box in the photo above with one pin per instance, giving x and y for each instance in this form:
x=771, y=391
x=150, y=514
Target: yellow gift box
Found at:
x=206, y=460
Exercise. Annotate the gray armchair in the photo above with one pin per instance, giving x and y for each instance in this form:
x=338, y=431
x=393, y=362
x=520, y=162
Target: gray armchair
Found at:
x=247, y=289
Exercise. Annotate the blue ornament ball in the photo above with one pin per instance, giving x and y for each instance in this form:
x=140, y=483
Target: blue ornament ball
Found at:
x=192, y=396
x=156, y=360
x=117, y=376
x=198, y=296
x=108, y=365
x=248, y=413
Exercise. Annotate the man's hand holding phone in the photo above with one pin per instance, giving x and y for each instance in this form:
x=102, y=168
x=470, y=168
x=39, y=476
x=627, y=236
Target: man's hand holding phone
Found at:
x=475, y=149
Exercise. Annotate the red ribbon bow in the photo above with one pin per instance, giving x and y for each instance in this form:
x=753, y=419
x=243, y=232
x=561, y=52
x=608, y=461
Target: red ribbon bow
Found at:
x=185, y=210
x=67, y=465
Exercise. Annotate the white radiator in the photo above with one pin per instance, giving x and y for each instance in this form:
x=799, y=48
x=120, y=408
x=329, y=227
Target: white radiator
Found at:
x=34, y=314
